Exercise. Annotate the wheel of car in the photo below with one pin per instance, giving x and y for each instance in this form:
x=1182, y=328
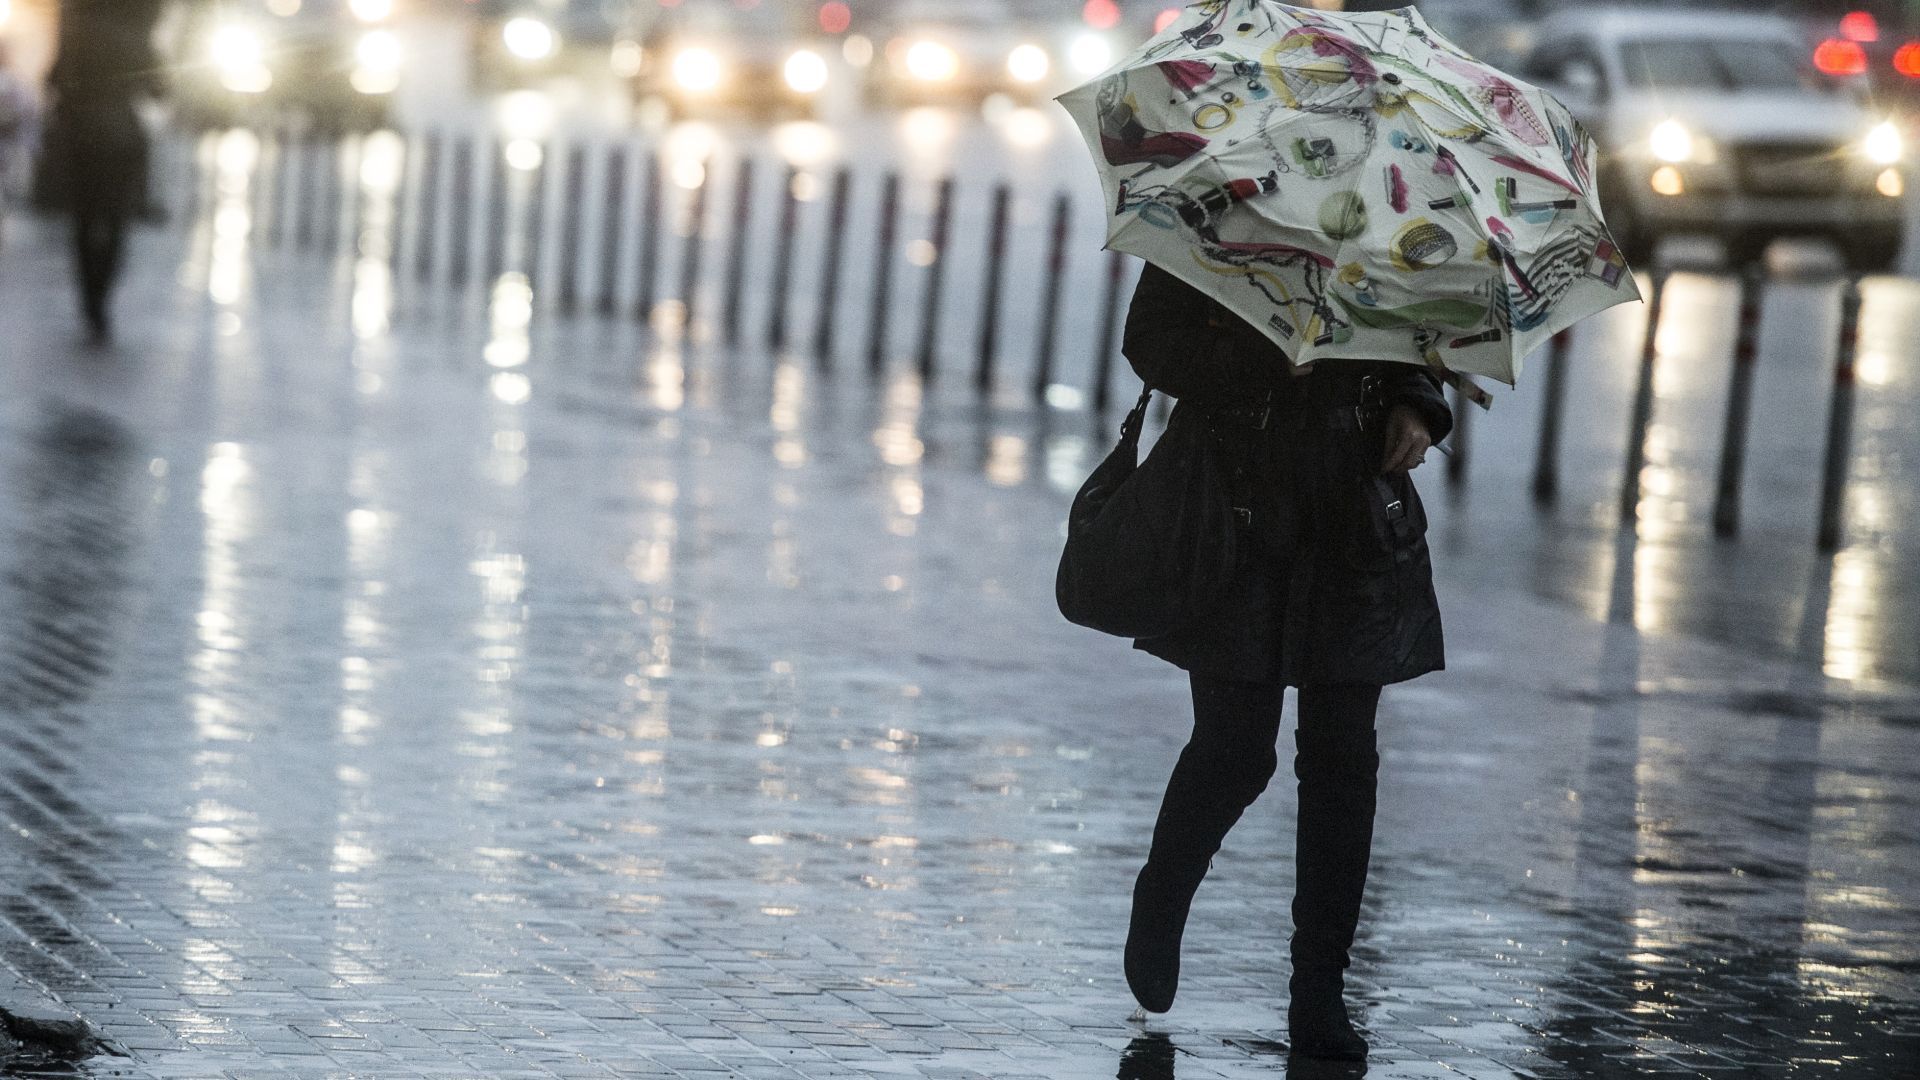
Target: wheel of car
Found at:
x=1872, y=253
x=1629, y=235
x=1744, y=251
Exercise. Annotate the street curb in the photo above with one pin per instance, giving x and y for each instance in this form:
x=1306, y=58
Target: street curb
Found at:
x=41, y=1026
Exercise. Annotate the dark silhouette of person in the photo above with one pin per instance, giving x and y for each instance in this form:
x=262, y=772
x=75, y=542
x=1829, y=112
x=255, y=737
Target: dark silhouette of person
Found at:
x=105, y=65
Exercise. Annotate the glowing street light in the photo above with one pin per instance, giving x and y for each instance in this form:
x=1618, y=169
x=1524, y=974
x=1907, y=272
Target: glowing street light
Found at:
x=697, y=70
x=1028, y=63
x=806, y=72
x=930, y=61
x=240, y=56
x=1090, y=54
x=529, y=38
x=377, y=62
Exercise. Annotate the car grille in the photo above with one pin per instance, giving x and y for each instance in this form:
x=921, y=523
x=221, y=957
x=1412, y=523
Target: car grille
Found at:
x=1791, y=168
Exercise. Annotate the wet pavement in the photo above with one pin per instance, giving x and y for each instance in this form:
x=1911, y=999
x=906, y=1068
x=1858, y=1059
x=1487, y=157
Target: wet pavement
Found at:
x=407, y=684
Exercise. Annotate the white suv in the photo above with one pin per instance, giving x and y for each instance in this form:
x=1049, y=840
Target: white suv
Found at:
x=1716, y=122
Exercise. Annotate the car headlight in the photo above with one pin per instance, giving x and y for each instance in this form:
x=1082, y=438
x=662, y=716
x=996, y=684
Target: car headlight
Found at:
x=528, y=38
x=1671, y=142
x=1028, y=63
x=1090, y=54
x=376, y=62
x=696, y=70
x=371, y=11
x=930, y=61
x=240, y=57
x=806, y=72
x=1884, y=145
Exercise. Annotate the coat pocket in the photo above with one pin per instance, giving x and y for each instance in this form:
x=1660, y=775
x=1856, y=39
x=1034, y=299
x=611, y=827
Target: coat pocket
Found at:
x=1387, y=523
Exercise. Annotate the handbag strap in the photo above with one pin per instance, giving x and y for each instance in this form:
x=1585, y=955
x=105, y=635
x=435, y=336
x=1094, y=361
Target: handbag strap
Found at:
x=1137, y=418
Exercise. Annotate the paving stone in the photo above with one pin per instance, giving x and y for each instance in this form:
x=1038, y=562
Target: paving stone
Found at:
x=696, y=714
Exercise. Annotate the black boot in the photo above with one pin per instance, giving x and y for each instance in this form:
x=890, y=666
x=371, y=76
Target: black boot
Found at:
x=1337, y=771
x=1192, y=823
x=1223, y=769
x=1160, y=903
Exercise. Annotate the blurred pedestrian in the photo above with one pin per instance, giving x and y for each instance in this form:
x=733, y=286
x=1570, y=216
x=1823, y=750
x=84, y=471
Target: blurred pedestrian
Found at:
x=17, y=115
x=1335, y=598
x=105, y=66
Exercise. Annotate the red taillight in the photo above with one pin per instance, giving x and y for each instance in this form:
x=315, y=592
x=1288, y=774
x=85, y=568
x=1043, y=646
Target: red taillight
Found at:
x=1836, y=57
x=1165, y=19
x=1907, y=60
x=1101, y=14
x=1860, y=26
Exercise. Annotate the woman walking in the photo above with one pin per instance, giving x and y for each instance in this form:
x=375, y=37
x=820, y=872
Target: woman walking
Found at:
x=1335, y=598
x=1330, y=230
x=105, y=65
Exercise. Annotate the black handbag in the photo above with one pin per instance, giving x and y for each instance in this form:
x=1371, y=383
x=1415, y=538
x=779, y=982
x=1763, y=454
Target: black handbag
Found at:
x=1150, y=544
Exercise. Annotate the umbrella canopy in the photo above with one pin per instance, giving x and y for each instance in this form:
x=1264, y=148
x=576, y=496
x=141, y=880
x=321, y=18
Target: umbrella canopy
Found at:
x=1353, y=184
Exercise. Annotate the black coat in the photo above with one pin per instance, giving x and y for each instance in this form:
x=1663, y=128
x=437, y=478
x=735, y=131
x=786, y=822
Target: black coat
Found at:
x=105, y=65
x=1337, y=584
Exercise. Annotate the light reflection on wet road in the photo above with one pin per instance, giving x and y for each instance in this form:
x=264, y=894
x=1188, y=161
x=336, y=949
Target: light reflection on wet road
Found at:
x=408, y=682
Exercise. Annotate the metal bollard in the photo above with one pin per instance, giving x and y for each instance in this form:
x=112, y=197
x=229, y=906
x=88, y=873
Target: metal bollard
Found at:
x=531, y=263
x=500, y=213
x=310, y=193
x=615, y=202
x=830, y=269
x=427, y=236
x=1833, y=484
x=648, y=224
x=990, y=304
x=1733, y=442
x=783, y=262
x=397, y=220
x=690, y=259
x=204, y=177
x=573, y=228
x=883, y=273
x=1109, y=327
x=737, y=251
x=330, y=191
x=1546, y=463
x=277, y=192
x=1460, y=442
x=1642, y=417
x=936, y=279
x=1050, y=304
x=461, y=210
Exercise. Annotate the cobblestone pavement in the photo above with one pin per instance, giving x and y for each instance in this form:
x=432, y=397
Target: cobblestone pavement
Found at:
x=459, y=698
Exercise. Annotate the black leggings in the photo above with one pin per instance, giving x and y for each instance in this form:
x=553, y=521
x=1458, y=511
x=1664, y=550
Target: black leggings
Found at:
x=1225, y=767
x=1236, y=726
x=100, y=243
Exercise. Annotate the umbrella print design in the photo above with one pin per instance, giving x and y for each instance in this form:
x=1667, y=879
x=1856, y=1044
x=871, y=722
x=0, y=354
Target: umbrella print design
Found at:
x=1354, y=185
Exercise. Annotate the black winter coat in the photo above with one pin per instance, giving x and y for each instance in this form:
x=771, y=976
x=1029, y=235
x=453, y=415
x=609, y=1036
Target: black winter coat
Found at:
x=1337, y=584
x=106, y=64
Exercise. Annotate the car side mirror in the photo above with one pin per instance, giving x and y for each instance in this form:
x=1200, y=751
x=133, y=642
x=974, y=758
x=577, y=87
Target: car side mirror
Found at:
x=1583, y=84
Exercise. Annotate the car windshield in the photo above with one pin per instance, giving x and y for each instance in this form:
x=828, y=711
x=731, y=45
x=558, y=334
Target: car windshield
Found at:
x=1718, y=64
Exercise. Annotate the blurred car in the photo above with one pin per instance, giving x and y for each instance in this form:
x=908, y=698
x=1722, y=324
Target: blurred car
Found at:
x=945, y=53
x=331, y=65
x=1860, y=45
x=1718, y=122
x=1499, y=32
x=711, y=56
x=526, y=44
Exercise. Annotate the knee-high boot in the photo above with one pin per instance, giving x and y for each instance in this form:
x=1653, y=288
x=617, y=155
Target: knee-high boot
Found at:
x=1220, y=773
x=1337, y=770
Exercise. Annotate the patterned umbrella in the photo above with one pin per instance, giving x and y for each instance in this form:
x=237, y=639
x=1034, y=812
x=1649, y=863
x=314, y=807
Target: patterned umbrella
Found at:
x=1353, y=184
